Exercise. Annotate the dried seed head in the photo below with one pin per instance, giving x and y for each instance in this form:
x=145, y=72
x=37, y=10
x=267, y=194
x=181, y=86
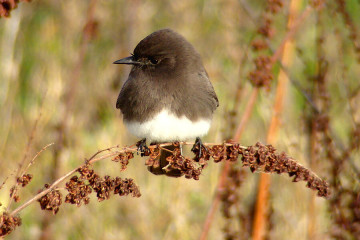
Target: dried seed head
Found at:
x=262, y=75
x=264, y=158
x=266, y=30
x=274, y=6
x=51, y=201
x=102, y=186
x=233, y=152
x=7, y=5
x=16, y=198
x=8, y=223
x=229, y=195
x=24, y=179
x=123, y=158
x=86, y=172
x=218, y=153
x=126, y=187
x=258, y=45
x=189, y=167
x=12, y=191
x=153, y=159
x=78, y=191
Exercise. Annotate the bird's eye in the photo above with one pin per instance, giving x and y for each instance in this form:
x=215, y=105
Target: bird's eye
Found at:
x=153, y=60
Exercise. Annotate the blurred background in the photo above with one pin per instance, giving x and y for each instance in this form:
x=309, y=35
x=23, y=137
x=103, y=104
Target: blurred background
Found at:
x=58, y=85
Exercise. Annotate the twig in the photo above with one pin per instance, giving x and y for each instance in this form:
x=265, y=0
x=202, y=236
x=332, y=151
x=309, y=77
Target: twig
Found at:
x=36, y=155
x=100, y=151
x=92, y=160
x=61, y=179
x=283, y=164
x=3, y=183
x=20, y=171
x=39, y=195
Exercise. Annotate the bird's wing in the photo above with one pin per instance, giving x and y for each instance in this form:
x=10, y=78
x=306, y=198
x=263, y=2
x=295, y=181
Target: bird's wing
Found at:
x=209, y=87
x=125, y=88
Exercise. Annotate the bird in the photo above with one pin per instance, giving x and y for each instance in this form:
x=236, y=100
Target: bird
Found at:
x=167, y=96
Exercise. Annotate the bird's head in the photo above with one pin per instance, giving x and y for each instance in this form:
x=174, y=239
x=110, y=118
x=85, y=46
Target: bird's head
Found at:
x=164, y=51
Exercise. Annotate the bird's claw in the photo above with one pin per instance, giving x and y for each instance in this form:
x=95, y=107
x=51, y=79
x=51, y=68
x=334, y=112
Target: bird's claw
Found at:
x=198, y=147
x=142, y=148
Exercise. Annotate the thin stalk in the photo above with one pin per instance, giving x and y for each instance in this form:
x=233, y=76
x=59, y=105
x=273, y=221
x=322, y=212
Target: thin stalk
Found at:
x=287, y=48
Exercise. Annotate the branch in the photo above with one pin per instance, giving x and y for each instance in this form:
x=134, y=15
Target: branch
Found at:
x=260, y=158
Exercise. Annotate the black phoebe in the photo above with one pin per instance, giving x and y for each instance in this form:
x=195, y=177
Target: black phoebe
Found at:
x=168, y=95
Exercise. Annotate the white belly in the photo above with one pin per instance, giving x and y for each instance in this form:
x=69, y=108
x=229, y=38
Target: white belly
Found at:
x=168, y=127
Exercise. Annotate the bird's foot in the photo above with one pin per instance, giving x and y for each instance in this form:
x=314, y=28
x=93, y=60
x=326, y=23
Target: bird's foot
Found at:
x=142, y=148
x=198, y=148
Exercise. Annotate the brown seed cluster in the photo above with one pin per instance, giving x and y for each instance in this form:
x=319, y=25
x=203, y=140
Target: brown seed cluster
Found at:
x=274, y=6
x=8, y=223
x=24, y=179
x=231, y=207
x=126, y=186
x=265, y=29
x=259, y=157
x=123, y=159
x=107, y=185
x=259, y=44
x=153, y=159
x=262, y=75
x=7, y=5
x=80, y=187
x=51, y=201
x=230, y=195
x=187, y=166
x=218, y=153
x=223, y=152
x=264, y=157
x=102, y=186
x=78, y=192
x=13, y=194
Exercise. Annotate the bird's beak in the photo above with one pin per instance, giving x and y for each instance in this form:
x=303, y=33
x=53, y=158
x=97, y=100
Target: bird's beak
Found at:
x=128, y=60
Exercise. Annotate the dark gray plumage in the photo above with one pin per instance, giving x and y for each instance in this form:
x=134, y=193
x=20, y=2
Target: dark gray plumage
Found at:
x=178, y=81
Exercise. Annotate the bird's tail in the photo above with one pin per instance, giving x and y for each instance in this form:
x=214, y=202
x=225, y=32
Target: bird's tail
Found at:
x=160, y=168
